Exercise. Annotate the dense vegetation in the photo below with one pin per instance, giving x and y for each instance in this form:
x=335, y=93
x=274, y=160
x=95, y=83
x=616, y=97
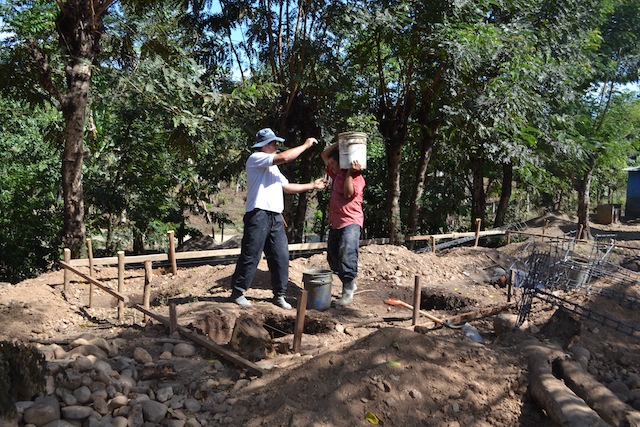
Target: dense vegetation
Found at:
x=119, y=117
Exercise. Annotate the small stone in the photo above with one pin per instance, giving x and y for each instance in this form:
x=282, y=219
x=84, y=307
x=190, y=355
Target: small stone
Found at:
x=141, y=355
x=184, y=350
x=153, y=411
x=83, y=394
x=192, y=405
x=77, y=413
x=163, y=394
x=415, y=394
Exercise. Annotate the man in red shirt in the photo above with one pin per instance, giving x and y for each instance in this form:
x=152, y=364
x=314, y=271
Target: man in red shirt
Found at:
x=346, y=220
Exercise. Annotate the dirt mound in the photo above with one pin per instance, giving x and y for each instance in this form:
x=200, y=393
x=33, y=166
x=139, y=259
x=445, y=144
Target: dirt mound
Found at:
x=359, y=363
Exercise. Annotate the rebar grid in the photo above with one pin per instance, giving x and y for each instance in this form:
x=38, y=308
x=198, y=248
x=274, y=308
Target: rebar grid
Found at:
x=544, y=267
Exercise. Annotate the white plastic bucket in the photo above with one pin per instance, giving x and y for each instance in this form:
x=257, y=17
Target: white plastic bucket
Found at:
x=352, y=146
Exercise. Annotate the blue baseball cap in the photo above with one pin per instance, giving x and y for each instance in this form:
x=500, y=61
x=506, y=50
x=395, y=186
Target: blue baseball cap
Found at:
x=265, y=136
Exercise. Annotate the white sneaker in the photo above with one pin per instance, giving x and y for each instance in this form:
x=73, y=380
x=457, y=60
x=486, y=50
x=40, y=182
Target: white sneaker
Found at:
x=282, y=303
x=242, y=301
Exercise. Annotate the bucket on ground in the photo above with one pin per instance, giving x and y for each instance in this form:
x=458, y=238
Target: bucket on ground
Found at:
x=352, y=146
x=317, y=282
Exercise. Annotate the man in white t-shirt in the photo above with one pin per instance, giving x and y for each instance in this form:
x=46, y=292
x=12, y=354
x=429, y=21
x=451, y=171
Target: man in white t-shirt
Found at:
x=264, y=228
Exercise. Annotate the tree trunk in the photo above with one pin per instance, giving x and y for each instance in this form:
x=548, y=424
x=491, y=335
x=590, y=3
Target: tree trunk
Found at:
x=418, y=188
x=73, y=233
x=393, y=127
x=478, y=196
x=138, y=241
x=394, y=157
x=79, y=28
x=429, y=130
x=79, y=35
x=505, y=194
x=298, y=124
x=584, y=187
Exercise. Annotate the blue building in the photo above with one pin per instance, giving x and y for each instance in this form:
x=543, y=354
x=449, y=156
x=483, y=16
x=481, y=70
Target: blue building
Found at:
x=632, y=207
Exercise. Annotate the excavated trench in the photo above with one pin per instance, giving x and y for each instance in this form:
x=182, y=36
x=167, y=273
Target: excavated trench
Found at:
x=432, y=299
x=279, y=325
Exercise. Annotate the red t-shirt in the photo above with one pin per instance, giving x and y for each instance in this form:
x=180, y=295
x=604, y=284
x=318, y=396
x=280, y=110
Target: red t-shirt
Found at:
x=343, y=212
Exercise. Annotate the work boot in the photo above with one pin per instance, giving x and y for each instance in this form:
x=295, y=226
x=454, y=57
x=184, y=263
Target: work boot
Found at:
x=282, y=303
x=348, y=289
x=241, y=300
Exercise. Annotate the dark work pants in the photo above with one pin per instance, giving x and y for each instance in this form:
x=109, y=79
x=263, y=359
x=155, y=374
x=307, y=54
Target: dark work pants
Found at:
x=263, y=231
x=342, y=252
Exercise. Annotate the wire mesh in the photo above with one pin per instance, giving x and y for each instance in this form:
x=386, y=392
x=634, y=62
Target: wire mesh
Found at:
x=544, y=267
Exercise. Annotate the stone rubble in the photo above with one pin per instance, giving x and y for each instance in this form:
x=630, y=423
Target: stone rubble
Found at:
x=94, y=384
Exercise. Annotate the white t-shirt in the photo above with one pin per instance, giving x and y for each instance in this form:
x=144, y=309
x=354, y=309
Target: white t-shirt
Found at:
x=265, y=183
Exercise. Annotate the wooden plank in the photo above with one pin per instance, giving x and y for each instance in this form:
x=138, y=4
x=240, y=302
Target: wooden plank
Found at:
x=84, y=262
x=207, y=343
x=139, y=259
x=99, y=284
x=207, y=254
x=377, y=320
x=547, y=236
x=476, y=314
x=300, y=314
x=457, y=235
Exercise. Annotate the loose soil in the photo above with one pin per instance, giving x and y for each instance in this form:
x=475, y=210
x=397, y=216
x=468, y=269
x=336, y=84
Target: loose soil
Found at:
x=358, y=365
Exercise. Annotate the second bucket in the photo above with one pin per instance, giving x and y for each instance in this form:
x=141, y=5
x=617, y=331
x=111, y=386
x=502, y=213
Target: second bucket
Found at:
x=352, y=146
x=317, y=282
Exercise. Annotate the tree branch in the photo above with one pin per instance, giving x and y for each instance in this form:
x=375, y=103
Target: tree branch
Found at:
x=44, y=71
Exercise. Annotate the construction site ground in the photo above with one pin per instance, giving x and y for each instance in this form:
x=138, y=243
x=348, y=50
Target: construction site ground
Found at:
x=361, y=364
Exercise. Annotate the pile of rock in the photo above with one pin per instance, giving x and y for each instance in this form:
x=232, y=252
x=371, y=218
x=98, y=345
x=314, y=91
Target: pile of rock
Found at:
x=93, y=384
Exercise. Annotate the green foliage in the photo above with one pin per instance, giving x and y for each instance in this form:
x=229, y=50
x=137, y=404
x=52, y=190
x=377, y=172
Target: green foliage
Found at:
x=23, y=371
x=489, y=81
x=30, y=218
x=160, y=147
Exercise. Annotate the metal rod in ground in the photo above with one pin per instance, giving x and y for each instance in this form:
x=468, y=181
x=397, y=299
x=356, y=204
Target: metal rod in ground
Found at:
x=416, y=301
x=509, y=284
x=299, y=327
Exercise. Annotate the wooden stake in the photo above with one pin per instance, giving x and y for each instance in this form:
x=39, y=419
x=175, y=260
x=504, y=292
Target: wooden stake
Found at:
x=299, y=326
x=120, y=284
x=416, y=301
x=172, y=253
x=67, y=259
x=148, y=274
x=433, y=244
x=508, y=233
x=478, y=222
x=90, y=253
x=173, y=318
